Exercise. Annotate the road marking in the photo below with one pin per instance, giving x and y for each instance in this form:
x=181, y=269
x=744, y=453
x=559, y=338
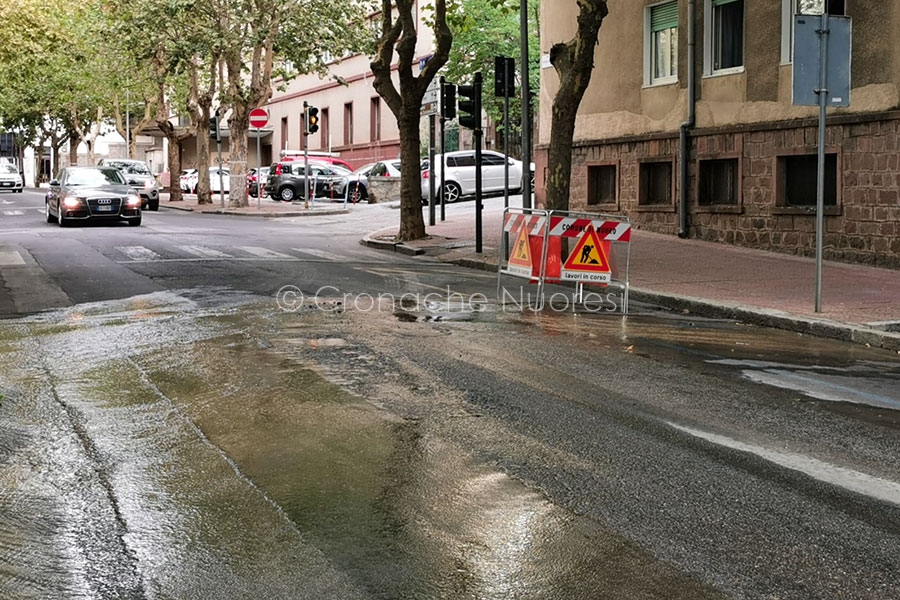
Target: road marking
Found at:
x=203, y=252
x=264, y=252
x=7, y=202
x=13, y=213
x=855, y=481
x=138, y=253
x=10, y=258
x=323, y=254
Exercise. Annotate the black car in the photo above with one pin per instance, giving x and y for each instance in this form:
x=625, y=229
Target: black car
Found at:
x=83, y=193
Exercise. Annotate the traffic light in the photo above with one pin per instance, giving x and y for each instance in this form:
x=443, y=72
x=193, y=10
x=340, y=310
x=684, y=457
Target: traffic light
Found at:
x=504, y=77
x=312, y=119
x=214, y=126
x=448, y=100
x=470, y=109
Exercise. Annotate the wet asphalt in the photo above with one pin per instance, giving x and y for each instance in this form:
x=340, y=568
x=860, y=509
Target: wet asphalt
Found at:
x=169, y=429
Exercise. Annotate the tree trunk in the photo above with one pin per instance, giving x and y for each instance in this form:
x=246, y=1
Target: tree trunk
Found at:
x=73, y=151
x=54, y=152
x=238, y=128
x=412, y=223
x=204, y=196
x=174, y=168
x=38, y=161
x=574, y=63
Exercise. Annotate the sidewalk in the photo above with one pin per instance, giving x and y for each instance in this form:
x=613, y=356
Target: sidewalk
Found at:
x=761, y=287
x=268, y=207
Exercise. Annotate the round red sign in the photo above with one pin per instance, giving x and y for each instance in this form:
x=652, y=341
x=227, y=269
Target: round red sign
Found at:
x=259, y=118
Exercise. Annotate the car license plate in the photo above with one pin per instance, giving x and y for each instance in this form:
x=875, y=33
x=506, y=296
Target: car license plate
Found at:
x=106, y=208
x=7, y=184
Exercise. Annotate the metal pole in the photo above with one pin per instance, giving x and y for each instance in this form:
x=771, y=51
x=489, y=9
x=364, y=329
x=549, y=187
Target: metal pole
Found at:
x=258, y=170
x=479, y=133
x=431, y=194
x=443, y=150
x=820, y=183
x=305, y=156
x=219, y=151
x=507, y=76
x=526, y=110
x=127, y=124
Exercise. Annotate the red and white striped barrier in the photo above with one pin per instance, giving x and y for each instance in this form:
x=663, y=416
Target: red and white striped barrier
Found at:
x=608, y=231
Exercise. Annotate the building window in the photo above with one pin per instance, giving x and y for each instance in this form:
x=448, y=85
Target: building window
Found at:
x=724, y=36
x=601, y=184
x=803, y=7
x=325, y=129
x=719, y=182
x=284, y=133
x=661, y=43
x=656, y=183
x=798, y=180
x=375, y=120
x=348, y=124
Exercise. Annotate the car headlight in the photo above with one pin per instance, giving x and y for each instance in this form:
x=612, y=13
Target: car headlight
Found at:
x=133, y=200
x=71, y=201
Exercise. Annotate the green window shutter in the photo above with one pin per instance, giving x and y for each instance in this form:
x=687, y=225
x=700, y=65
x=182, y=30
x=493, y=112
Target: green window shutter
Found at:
x=721, y=2
x=664, y=16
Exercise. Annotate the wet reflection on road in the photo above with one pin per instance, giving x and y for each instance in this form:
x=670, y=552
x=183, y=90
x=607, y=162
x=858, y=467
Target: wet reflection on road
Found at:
x=185, y=447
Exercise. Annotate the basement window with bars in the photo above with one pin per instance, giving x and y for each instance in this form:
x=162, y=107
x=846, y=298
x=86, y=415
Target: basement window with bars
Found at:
x=662, y=43
x=601, y=184
x=719, y=182
x=798, y=180
x=656, y=183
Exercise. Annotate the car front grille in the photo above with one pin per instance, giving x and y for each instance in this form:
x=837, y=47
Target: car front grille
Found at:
x=99, y=206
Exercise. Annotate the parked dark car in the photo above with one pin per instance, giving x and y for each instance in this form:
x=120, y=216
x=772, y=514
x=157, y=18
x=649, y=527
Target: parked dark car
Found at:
x=87, y=193
x=139, y=176
x=287, y=180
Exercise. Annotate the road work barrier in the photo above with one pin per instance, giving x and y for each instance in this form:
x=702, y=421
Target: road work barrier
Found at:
x=566, y=247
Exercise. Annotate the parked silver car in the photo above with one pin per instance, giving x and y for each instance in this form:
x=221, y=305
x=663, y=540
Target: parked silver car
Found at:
x=460, y=176
x=140, y=177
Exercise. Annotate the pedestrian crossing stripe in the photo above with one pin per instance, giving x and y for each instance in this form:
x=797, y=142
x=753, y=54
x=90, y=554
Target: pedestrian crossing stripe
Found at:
x=138, y=253
x=13, y=213
x=588, y=261
x=203, y=252
x=9, y=258
x=263, y=252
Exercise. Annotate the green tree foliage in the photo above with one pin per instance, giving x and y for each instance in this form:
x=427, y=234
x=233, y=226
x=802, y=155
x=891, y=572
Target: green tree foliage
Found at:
x=484, y=29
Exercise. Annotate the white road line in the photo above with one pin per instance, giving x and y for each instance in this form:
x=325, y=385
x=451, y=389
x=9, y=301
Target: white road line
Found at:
x=13, y=213
x=203, y=252
x=10, y=258
x=263, y=252
x=323, y=254
x=138, y=253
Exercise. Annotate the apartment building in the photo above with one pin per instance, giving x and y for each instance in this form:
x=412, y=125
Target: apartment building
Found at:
x=746, y=172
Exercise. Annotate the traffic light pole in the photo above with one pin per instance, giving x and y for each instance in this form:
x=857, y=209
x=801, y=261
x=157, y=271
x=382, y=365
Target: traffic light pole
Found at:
x=443, y=163
x=479, y=134
x=506, y=79
x=526, y=107
x=431, y=194
x=305, y=156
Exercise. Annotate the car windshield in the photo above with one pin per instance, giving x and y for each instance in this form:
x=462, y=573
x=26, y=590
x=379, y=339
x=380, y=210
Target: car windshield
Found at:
x=94, y=177
x=132, y=168
x=364, y=170
x=8, y=169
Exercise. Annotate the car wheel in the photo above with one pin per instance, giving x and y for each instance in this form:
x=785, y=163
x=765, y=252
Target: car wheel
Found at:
x=452, y=192
x=154, y=205
x=287, y=193
x=50, y=217
x=134, y=222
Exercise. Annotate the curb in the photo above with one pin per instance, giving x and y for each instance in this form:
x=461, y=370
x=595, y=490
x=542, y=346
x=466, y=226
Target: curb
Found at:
x=398, y=247
x=235, y=213
x=179, y=208
x=752, y=315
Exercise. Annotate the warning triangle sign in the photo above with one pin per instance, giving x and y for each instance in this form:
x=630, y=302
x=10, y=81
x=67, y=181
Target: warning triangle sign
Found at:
x=521, y=251
x=588, y=255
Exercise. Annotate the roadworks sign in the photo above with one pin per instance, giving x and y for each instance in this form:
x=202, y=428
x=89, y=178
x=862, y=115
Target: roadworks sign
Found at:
x=520, y=262
x=589, y=261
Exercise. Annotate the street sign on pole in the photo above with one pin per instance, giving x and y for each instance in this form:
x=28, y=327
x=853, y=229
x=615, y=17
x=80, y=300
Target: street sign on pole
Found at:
x=259, y=118
x=822, y=58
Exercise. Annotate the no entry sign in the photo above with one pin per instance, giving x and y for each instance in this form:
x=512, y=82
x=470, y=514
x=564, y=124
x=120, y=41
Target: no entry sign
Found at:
x=259, y=118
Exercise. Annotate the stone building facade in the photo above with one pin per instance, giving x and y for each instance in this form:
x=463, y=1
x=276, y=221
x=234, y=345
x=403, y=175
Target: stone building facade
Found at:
x=751, y=154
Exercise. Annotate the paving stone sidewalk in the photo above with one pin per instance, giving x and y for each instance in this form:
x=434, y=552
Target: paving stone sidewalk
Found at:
x=738, y=281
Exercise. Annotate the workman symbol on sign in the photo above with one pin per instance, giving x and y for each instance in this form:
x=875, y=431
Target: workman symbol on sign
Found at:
x=586, y=258
x=521, y=251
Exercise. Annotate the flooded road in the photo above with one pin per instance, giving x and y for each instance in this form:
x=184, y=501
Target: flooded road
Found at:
x=203, y=444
